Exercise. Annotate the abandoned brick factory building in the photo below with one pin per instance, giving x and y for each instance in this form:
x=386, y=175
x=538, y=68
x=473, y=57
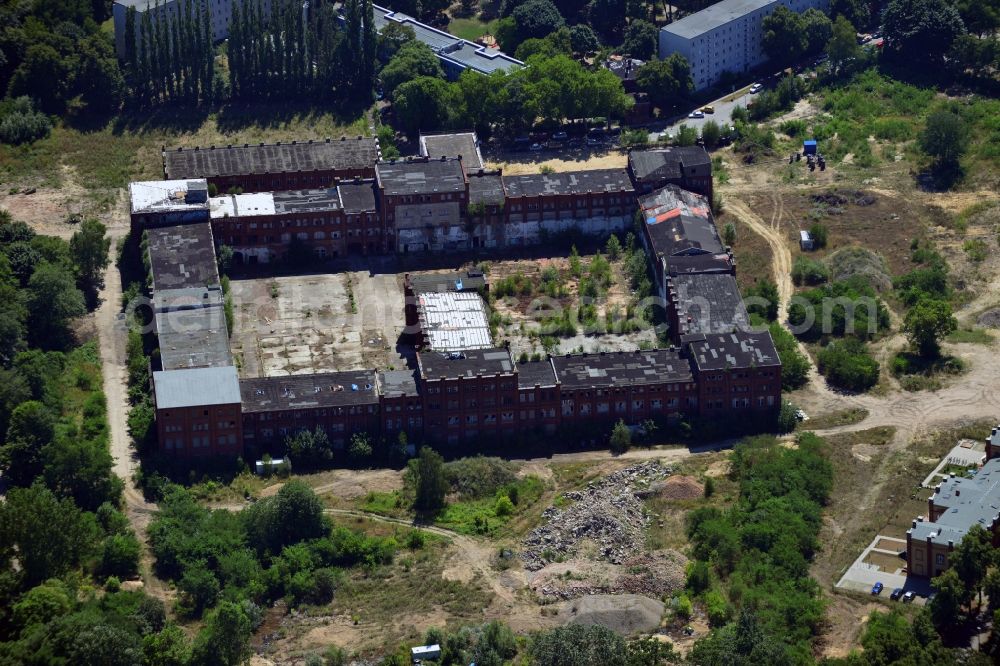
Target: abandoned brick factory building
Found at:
x=336, y=198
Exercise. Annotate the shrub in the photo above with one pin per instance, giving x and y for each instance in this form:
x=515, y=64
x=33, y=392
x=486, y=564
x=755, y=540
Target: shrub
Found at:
x=120, y=556
x=806, y=271
x=479, y=476
x=842, y=308
x=503, y=506
x=22, y=124
x=848, y=364
x=819, y=235
x=719, y=610
x=794, y=364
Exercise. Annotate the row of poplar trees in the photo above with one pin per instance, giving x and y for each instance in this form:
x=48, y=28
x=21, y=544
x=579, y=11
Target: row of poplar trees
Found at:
x=299, y=51
x=170, y=60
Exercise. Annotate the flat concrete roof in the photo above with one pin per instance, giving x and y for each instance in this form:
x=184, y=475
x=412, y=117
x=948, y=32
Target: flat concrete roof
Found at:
x=330, y=389
x=357, y=196
x=654, y=366
x=469, y=363
x=568, y=182
x=398, y=383
x=421, y=176
x=182, y=256
x=162, y=196
x=195, y=338
x=666, y=163
x=486, y=187
x=196, y=387
x=468, y=280
x=454, y=321
x=189, y=298
x=326, y=155
x=709, y=303
x=739, y=349
x=464, y=145
x=712, y=17
x=536, y=373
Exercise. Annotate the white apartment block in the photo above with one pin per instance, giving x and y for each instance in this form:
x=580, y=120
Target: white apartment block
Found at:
x=220, y=12
x=725, y=37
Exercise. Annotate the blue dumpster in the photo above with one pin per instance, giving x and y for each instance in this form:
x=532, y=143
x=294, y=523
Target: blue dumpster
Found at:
x=809, y=147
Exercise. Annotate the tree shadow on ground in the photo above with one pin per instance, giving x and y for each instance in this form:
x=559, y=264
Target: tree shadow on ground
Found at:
x=170, y=119
x=236, y=117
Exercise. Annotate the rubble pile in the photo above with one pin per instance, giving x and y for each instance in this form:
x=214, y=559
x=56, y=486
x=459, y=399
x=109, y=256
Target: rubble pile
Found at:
x=657, y=574
x=609, y=512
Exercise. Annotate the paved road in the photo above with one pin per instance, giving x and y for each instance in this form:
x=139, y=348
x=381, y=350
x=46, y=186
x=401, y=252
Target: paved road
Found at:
x=723, y=114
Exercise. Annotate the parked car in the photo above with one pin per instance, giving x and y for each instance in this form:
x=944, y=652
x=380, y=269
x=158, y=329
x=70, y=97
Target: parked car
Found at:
x=801, y=416
x=560, y=136
x=697, y=114
x=535, y=147
x=877, y=589
x=756, y=88
x=909, y=597
x=708, y=109
x=896, y=594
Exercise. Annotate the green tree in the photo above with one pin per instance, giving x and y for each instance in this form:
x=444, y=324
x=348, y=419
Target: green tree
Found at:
x=794, y=365
x=52, y=300
x=120, y=556
x=361, y=447
x=740, y=643
x=945, y=138
x=583, y=38
x=225, y=640
x=641, y=40
x=843, y=47
x=168, y=647
x=31, y=429
x=763, y=299
x=106, y=645
x=412, y=60
x=44, y=76
x=431, y=483
x=309, y=447
x=711, y=134
x=422, y=104
x=920, y=31
x=819, y=235
x=536, y=18
x=972, y=558
x=667, y=82
x=818, y=29
x=43, y=603
x=729, y=234
x=575, y=644
x=295, y=514
x=49, y=536
x=951, y=596
x=89, y=248
x=200, y=588
x=991, y=585
x=621, y=438
x=926, y=323
x=785, y=39
x=981, y=17
x=608, y=17
x=392, y=38
x=856, y=12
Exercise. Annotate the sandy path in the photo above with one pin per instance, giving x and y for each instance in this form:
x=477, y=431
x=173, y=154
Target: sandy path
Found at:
x=112, y=334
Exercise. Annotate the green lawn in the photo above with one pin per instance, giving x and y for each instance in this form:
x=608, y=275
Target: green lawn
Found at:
x=470, y=28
